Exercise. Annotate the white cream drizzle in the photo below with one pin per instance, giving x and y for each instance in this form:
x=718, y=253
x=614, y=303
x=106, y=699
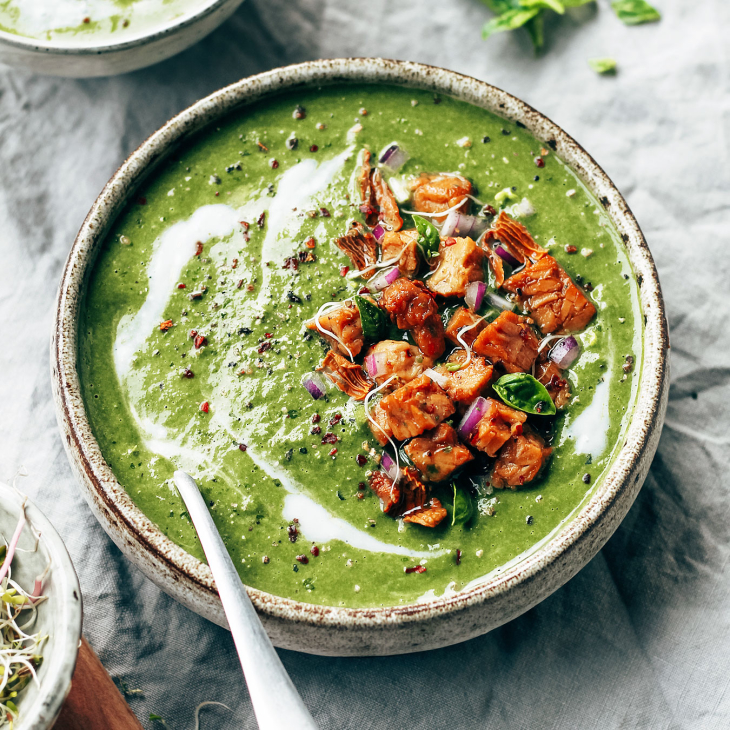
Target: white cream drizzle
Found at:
x=172, y=250
x=318, y=525
x=589, y=430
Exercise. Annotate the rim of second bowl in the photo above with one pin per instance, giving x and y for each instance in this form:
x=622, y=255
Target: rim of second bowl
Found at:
x=126, y=523
x=140, y=39
x=62, y=661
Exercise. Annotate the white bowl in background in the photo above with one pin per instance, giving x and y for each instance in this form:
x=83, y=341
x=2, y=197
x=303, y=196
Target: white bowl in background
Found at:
x=81, y=57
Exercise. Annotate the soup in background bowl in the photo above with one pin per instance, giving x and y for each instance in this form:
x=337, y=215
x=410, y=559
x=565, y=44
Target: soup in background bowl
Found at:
x=200, y=327
x=103, y=37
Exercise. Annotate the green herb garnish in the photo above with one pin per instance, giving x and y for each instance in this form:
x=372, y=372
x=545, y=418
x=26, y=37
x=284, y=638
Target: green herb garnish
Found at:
x=527, y=14
x=373, y=319
x=603, y=65
x=463, y=507
x=428, y=237
x=525, y=393
x=635, y=12
x=504, y=195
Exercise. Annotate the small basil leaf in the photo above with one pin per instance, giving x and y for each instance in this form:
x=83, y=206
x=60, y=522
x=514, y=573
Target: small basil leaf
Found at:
x=523, y=392
x=392, y=332
x=603, y=65
x=555, y=5
x=536, y=30
x=501, y=6
x=428, y=237
x=373, y=319
x=509, y=21
x=635, y=12
x=462, y=508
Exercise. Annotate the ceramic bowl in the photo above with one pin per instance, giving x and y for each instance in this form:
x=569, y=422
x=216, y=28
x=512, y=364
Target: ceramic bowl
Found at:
x=59, y=616
x=77, y=58
x=343, y=631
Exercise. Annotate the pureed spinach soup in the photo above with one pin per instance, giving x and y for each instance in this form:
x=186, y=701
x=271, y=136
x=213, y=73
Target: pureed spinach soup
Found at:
x=93, y=21
x=232, y=276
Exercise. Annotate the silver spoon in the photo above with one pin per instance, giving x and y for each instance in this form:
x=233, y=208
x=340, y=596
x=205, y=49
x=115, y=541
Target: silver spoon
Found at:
x=276, y=702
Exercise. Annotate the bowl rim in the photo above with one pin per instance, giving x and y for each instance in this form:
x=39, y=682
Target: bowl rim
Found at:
x=187, y=578
x=176, y=25
x=51, y=694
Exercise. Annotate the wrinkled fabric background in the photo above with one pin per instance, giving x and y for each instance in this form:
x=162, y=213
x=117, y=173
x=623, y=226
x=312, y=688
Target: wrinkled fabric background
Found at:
x=640, y=638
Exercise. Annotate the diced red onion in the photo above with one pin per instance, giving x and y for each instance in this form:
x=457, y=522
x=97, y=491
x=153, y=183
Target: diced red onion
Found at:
x=379, y=231
x=564, y=354
x=505, y=255
x=438, y=378
x=394, y=157
x=500, y=302
x=385, y=277
x=315, y=385
x=389, y=466
x=472, y=417
x=460, y=224
x=475, y=292
x=376, y=364
x=371, y=365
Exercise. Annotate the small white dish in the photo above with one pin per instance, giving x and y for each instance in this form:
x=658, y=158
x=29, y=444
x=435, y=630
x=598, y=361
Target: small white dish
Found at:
x=82, y=55
x=59, y=616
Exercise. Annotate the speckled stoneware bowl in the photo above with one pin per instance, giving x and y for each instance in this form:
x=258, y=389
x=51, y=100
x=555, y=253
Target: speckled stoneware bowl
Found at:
x=344, y=631
x=59, y=616
x=79, y=58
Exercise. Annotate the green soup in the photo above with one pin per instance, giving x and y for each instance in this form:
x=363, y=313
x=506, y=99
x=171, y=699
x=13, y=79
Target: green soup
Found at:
x=93, y=22
x=244, y=201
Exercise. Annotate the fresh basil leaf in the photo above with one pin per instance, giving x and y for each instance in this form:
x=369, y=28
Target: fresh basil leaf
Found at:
x=536, y=30
x=373, y=319
x=635, y=12
x=554, y=5
x=576, y=3
x=509, y=21
x=462, y=508
x=603, y=65
x=392, y=332
x=428, y=237
x=523, y=392
x=501, y=6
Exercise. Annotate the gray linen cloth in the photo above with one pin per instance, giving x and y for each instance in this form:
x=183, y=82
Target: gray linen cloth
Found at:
x=640, y=638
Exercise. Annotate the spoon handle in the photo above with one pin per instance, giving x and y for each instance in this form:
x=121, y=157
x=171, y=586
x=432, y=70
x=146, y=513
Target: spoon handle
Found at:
x=275, y=700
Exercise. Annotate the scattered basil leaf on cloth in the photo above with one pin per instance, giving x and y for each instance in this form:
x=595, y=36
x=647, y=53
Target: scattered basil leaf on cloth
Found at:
x=635, y=12
x=530, y=15
x=523, y=392
x=510, y=20
x=603, y=65
x=555, y=5
x=428, y=237
x=462, y=508
x=372, y=318
x=527, y=14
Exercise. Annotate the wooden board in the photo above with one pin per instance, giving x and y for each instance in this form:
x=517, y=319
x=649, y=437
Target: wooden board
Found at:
x=94, y=702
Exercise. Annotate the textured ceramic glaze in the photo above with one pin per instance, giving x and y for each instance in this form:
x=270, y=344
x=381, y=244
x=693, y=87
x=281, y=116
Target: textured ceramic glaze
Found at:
x=59, y=616
x=110, y=58
x=390, y=630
